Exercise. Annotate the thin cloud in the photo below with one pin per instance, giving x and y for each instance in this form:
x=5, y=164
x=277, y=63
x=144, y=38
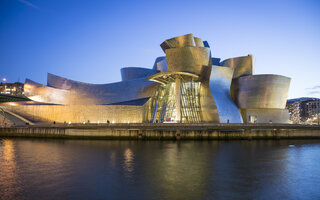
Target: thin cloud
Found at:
x=314, y=92
x=28, y=4
x=314, y=88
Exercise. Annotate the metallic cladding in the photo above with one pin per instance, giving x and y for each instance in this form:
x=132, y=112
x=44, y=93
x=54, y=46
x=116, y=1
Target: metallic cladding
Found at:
x=209, y=111
x=160, y=64
x=79, y=113
x=188, y=59
x=188, y=54
x=41, y=93
x=198, y=42
x=64, y=83
x=130, y=73
x=206, y=44
x=260, y=91
x=242, y=65
x=216, y=61
x=74, y=92
x=218, y=92
x=177, y=42
x=220, y=82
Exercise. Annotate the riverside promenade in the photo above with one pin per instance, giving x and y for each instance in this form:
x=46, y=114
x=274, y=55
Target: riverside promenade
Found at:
x=165, y=131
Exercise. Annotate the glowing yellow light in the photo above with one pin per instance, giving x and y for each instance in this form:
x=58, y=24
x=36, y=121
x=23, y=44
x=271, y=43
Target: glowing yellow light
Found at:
x=98, y=122
x=128, y=160
x=12, y=104
x=36, y=98
x=113, y=122
x=69, y=122
x=27, y=86
x=8, y=150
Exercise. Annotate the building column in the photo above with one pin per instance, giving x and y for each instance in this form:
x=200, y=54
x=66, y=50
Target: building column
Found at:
x=177, y=100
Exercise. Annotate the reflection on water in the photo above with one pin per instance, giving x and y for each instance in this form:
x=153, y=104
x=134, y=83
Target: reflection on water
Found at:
x=87, y=169
x=8, y=170
x=128, y=162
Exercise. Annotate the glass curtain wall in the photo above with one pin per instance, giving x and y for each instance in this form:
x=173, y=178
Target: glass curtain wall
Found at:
x=161, y=107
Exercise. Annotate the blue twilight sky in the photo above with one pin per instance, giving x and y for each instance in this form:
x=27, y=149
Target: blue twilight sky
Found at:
x=90, y=40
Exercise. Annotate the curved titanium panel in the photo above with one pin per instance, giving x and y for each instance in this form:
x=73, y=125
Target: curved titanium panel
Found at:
x=130, y=73
x=209, y=111
x=260, y=91
x=242, y=65
x=180, y=41
x=63, y=83
x=160, y=64
x=198, y=42
x=220, y=82
x=99, y=94
x=188, y=59
x=41, y=93
x=216, y=61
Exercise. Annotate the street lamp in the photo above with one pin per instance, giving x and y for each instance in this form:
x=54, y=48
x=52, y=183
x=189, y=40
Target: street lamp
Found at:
x=4, y=79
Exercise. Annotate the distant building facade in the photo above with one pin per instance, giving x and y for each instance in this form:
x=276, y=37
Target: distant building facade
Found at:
x=15, y=89
x=187, y=85
x=304, y=110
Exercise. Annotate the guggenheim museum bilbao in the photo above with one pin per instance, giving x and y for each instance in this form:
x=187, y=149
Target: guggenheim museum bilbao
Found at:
x=187, y=85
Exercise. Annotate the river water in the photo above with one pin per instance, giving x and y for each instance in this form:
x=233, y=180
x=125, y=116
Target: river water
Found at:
x=98, y=169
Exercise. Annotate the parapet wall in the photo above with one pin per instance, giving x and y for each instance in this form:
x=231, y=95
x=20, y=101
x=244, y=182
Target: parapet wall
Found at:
x=174, y=132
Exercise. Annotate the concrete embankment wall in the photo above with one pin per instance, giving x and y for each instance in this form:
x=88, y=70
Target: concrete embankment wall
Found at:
x=159, y=132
